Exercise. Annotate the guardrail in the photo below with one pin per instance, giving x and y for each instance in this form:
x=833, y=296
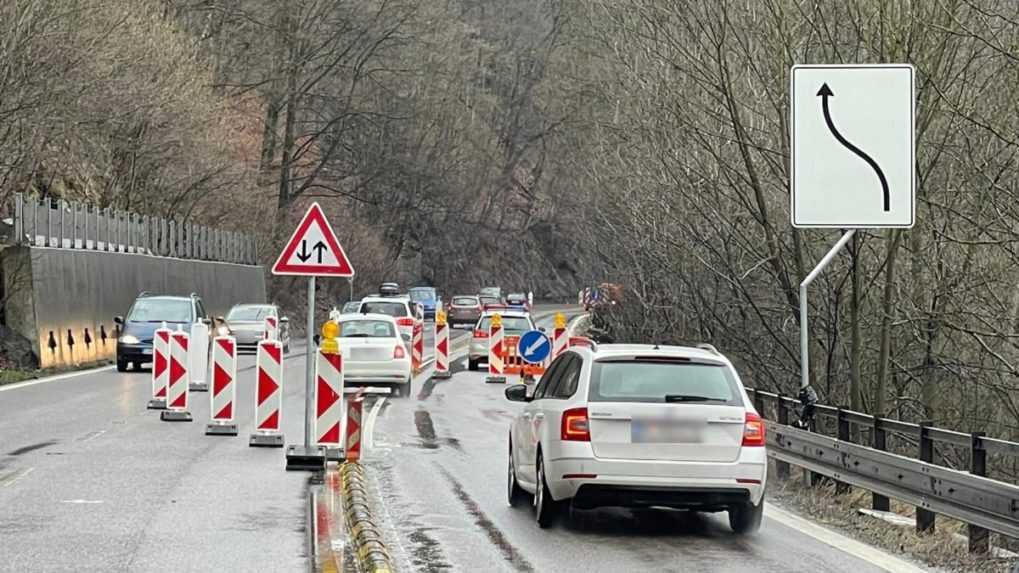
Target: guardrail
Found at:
x=74, y=225
x=983, y=503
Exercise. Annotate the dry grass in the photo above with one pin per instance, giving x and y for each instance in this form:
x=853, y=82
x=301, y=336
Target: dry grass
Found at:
x=938, y=549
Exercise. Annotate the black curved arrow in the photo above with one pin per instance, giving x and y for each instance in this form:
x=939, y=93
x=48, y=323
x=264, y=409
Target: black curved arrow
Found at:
x=825, y=93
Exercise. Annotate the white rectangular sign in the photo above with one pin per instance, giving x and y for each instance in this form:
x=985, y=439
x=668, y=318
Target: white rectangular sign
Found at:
x=853, y=156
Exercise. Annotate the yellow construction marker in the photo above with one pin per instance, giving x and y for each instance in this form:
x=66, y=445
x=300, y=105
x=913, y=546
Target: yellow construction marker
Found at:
x=329, y=344
x=560, y=320
x=440, y=317
x=497, y=319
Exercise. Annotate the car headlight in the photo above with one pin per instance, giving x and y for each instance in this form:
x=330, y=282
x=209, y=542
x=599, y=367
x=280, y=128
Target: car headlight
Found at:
x=223, y=331
x=129, y=339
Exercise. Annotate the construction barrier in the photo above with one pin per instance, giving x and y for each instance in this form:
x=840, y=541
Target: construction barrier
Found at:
x=272, y=328
x=352, y=441
x=441, y=346
x=328, y=399
x=417, y=347
x=224, y=387
x=177, y=385
x=268, y=395
x=496, y=351
x=198, y=358
x=581, y=341
x=160, y=367
x=560, y=340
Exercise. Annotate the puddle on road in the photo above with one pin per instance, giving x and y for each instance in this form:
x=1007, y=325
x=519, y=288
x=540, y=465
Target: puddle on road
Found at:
x=31, y=448
x=495, y=535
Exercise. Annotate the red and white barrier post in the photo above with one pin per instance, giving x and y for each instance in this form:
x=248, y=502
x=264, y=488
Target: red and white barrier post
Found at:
x=560, y=341
x=352, y=435
x=272, y=328
x=198, y=358
x=268, y=395
x=496, y=366
x=177, y=385
x=441, y=346
x=417, y=346
x=329, y=398
x=160, y=367
x=224, y=387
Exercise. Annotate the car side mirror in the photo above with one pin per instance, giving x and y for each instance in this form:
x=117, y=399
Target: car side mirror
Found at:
x=517, y=393
x=207, y=321
x=541, y=329
x=118, y=319
x=220, y=319
x=285, y=319
x=317, y=338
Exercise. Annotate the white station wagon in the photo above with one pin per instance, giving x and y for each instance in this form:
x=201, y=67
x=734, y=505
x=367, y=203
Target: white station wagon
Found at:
x=638, y=426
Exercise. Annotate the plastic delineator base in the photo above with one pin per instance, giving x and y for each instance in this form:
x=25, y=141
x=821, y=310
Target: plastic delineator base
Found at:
x=266, y=440
x=442, y=375
x=175, y=416
x=157, y=404
x=220, y=429
x=198, y=386
x=306, y=459
x=496, y=379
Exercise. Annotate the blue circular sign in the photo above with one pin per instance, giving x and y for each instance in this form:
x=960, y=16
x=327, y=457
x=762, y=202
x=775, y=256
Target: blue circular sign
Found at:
x=534, y=347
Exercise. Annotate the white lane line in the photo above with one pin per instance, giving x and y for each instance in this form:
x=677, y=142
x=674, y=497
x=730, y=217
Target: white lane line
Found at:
x=82, y=501
x=369, y=427
x=855, y=548
x=14, y=476
x=27, y=383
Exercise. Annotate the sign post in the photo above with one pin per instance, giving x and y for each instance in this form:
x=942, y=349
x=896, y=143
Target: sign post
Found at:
x=312, y=251
x=853, y=157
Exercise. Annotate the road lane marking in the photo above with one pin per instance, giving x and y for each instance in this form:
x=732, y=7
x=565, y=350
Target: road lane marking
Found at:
x=845, y=544
x=82, y=501
x=369, y=427
x=9, y=479
x=58, y=377
x=91, y=436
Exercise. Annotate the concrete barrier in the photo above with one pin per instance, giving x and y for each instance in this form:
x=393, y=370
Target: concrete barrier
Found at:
x=64, y=300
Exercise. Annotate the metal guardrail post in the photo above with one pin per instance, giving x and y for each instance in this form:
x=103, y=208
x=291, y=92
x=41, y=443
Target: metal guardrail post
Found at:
x=879, y=442
x=782, y=413
x=759, y=404
x=842, y=426
x=19, y=219
x=979, y=538
x=62, y=207
x=924, y=517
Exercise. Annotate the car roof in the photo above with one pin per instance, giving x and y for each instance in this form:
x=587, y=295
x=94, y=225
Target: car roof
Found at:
x=465, y=296
x=165, y=296
x=369, y=316
x=614, y=350
x=505, y=313
x=375, y=298
x=253, y=305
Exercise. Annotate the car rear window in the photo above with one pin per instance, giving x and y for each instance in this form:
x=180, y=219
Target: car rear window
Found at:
x=653, y=380
x=421, y=294
x=249, y=313
x=367, y=329
x=396, y=309
x=160, y=309
x=510, y=324
x=465, y=301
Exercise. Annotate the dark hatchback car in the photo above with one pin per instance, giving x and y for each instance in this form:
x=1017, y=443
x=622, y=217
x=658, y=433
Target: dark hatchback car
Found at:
x=149, y=312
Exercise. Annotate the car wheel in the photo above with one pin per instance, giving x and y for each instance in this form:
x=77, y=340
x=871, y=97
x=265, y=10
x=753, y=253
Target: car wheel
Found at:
x=472, y=365
x=546, y=509
x=137, y=365
x=286, y=348
x=746, y=518
x=405, y=389
x=515, y=494
x=122, y=365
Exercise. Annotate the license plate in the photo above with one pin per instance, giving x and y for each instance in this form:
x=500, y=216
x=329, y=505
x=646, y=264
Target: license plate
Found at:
x=664, y=432
x=147, y=351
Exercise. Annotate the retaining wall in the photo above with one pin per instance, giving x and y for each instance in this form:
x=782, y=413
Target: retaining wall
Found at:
x=64, y=300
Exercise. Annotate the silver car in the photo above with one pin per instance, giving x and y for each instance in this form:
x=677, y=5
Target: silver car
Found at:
x=514, y=323
x=246, y=323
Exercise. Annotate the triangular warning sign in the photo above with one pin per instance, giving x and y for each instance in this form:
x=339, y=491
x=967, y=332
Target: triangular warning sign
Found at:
x=313, y=249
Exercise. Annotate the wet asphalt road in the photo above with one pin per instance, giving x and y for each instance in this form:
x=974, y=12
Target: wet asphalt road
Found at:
x=438, y=468
x=92, y=481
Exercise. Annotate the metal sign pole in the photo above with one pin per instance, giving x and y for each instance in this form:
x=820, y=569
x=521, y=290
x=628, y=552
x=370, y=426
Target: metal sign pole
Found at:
x=309, y=366
x=804, y=331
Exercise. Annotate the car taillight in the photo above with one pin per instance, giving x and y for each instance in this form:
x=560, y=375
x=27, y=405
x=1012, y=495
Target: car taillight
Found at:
x=575, y=427
x=480, y=334
x=405, y=321
x=398, y=352
x=753, y=431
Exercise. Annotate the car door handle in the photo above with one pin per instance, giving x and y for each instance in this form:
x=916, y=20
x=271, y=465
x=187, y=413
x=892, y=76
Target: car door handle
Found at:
x=539, y=416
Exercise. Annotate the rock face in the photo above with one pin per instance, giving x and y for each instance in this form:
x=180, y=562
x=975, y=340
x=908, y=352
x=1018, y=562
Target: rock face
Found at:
x=16, y=351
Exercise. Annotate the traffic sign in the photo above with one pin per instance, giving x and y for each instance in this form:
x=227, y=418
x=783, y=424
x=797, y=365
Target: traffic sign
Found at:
x=852, y=146
x=313, y=250
x=534, y=347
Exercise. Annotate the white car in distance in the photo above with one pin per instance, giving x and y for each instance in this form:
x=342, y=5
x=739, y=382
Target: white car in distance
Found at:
x=638, y=426
x=374, y=353
x=406, y=312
